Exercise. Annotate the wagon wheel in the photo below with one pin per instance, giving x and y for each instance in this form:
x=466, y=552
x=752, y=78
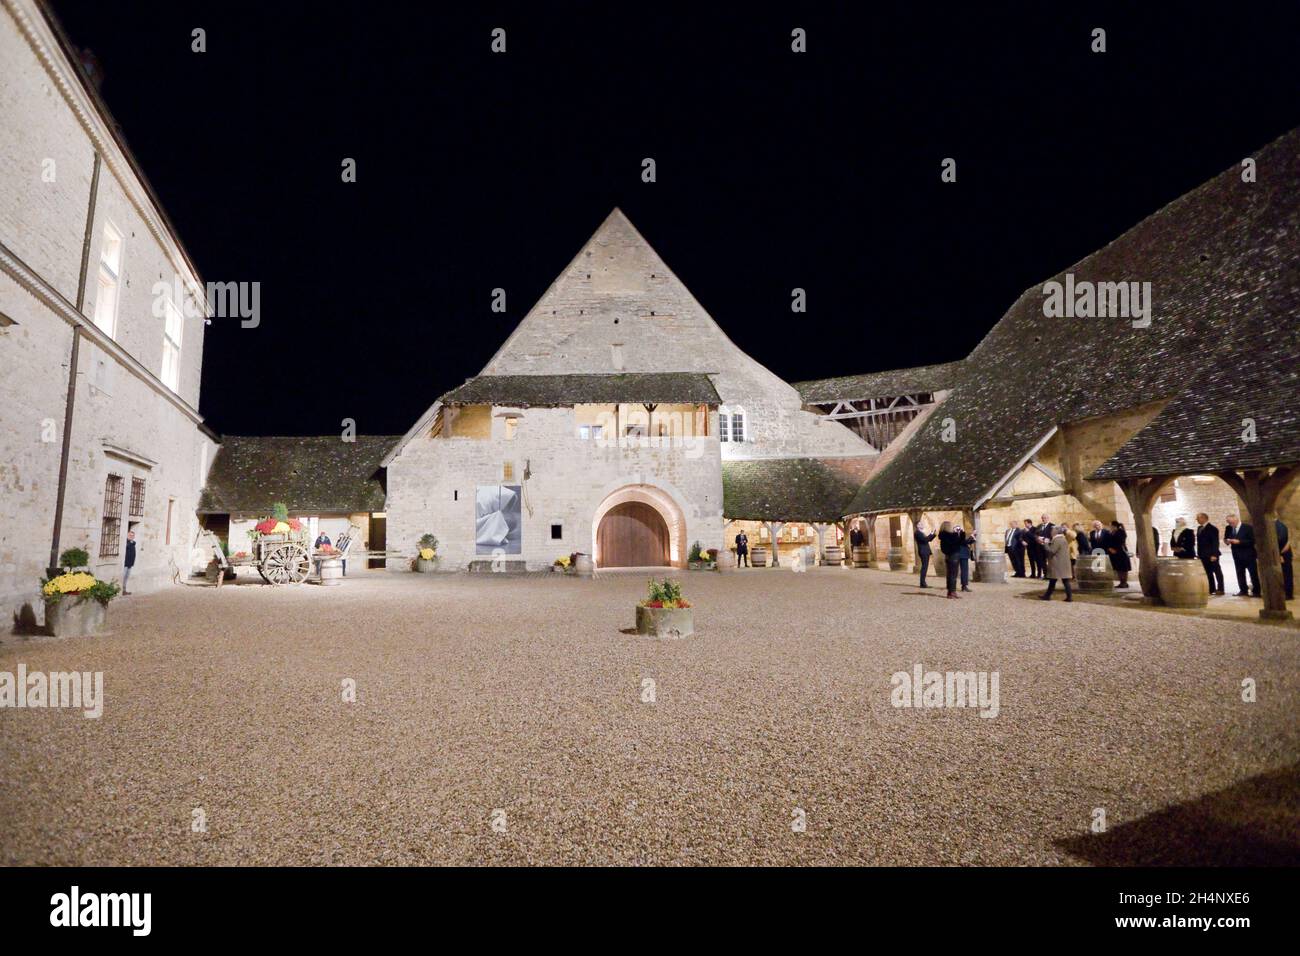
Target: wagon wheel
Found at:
x=286, y=564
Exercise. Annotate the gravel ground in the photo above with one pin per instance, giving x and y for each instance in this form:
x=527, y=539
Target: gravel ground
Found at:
x=524, y=695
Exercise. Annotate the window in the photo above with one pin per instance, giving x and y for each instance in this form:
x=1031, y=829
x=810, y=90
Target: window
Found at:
x=110, y=528
x=737, y=426
x=724, y=426
x=173, y=325
x=110, y=271
x=512, y=428
x=635, y=431
x=171, y=507
x=590, y=431
x=508, y=471
x=137, y=498
x=557, y=532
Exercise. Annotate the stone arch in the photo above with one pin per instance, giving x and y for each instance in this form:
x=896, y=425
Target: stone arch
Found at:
x=662, y=501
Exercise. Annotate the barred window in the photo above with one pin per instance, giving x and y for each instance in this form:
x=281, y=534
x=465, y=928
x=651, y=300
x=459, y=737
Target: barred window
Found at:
x=137, y=497
x=737, y=426
x=724, y=426
x=110, y=528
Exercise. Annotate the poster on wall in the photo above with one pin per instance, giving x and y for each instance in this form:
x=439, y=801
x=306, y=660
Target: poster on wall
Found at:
x=497, y=526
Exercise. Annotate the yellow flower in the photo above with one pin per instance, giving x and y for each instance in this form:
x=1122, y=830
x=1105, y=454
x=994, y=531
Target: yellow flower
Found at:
x=281, y=527
x=426, y=554
x=69, y=583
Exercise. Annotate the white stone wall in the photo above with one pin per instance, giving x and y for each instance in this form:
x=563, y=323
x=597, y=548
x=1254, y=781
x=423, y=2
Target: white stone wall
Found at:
x=618, y=291
x=125, y=421
x=432, y=482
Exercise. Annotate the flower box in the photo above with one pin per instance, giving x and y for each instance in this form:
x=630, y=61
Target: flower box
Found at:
x=669, y=622
x=76, y=617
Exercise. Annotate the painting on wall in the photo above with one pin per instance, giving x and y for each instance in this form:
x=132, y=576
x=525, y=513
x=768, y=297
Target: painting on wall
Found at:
x=497, y=525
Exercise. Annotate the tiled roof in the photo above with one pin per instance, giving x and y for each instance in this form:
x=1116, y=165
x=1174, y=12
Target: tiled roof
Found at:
x=901, y=381
x=320, y=474
x=529, y=390
x=1224, y=266
x=1205, y=429
x=791, y=489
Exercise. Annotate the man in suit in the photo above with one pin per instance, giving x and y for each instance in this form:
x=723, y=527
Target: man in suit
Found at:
x=742, y=550
x=1241, y=538
x=1015, y=549
x=1207, y=546
x=1028, y=534
x=1044, y=531
x=1284, y=552
x=922, y=536
x=1097, y=536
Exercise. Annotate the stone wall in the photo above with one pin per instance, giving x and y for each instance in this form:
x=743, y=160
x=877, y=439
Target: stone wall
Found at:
x=432, y=483
x=126, y=423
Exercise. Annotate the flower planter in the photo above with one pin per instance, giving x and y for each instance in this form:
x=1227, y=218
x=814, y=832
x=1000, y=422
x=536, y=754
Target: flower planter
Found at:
x=426, y=567
x=76, y=617
x=671, y=622
x=694, y=565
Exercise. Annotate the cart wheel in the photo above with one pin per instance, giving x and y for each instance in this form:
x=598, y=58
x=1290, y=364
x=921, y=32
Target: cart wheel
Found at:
x=287, y=564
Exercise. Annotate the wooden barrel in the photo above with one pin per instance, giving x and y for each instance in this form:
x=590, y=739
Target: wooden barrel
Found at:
x=991, y=567
x=583, y=566
x=1092, y=572
x=897, y=559
x=331, y=572
x=862, y=557
x=758, y=556
x=834, y=555
x=1182, y=583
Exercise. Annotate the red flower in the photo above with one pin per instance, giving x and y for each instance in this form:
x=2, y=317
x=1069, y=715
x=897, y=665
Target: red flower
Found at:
x=655, y=604
x=295, y=524
x=265, y=526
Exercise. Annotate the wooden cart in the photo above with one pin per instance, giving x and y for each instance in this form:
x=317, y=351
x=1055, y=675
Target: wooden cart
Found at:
x=279, y=558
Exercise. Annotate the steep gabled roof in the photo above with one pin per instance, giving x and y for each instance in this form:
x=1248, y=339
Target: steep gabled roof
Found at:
x=535, y=390
x=791, y=489
x=1205, y=429
x=901, y=381
x=1224, y=264
x=318, y=474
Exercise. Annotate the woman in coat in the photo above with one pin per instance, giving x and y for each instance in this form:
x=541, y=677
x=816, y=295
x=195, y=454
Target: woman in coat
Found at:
x=1117, y=548
x=1058, y=562
x=1182, y=542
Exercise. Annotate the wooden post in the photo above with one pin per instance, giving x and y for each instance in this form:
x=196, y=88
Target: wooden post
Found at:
x=774, y=529
x=1141, y=494
x=1260, y=491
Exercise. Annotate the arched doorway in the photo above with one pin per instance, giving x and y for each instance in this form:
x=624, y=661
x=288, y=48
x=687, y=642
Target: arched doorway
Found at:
x=632, y=534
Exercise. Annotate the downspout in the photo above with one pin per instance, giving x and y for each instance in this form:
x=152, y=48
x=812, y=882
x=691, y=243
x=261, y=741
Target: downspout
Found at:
x=72, y=374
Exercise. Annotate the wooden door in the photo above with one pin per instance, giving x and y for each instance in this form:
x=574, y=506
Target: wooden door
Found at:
x=632, y=535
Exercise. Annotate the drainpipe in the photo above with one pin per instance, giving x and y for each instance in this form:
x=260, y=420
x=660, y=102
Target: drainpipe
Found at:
x=72, y=375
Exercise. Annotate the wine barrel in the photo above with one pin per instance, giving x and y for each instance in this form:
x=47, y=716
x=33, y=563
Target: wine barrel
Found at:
x=862, y=557
x=758, y=557
x=1092, y=572
x=331, y=572
x=834, y=555
x=1182, y=583
x=991, y=567
x=583, y=566
x=897, y=559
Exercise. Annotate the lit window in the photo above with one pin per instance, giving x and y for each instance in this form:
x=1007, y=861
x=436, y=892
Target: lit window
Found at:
x=737, y=427
x=110, y=270
x=724, y=426
x=508, y=471
x=590, y=431
x=512, y=426
x=173, y=325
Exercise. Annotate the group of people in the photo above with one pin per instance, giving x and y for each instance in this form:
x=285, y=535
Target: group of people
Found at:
x=1055, y=561
x=956, y=545
x=1203, y=543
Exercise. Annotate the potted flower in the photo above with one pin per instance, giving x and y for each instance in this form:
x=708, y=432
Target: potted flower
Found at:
x=711, y=561
x=76, y=602
x=426, y=562
x=664, y=612
x=695, y=560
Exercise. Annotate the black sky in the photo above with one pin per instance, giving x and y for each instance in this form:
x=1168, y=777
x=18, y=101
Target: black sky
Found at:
x=775, y=170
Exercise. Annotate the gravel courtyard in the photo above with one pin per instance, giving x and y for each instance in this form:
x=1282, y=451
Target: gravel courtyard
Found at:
x=519, y=701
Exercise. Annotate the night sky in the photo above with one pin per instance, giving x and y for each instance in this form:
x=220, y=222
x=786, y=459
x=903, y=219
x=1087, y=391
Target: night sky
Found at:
x=775, y=169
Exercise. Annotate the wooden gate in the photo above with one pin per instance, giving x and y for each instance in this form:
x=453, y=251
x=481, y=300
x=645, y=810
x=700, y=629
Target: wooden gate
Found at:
x=632, y=535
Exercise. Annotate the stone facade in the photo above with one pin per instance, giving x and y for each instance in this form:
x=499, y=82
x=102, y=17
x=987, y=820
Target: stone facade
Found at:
x=615, y=308
x=127, y=422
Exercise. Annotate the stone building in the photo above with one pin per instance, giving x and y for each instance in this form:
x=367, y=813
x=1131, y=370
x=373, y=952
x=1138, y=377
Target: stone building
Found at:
x=1117, y=417
x=99, y=428
x=604, y=425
